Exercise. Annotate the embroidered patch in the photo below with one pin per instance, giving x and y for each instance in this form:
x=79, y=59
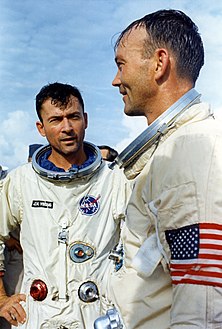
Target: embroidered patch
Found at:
x=196, y=254
x=89, y=205
x=42, y=204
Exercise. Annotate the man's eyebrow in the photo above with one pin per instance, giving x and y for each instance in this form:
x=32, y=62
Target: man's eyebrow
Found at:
x=76, y=112
x=54, y=116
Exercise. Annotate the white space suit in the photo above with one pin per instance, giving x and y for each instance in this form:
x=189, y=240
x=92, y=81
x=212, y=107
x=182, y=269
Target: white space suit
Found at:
x=172, y=273
x=67, y=231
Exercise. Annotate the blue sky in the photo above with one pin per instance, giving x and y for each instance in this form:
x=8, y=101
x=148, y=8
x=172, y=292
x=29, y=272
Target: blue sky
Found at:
x=71, y=41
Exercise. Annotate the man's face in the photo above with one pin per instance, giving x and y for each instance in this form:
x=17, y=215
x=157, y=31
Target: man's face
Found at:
x=136, y=72
x=64, y=128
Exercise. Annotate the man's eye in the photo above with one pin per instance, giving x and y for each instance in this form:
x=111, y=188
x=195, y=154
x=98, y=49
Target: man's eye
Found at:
x=75, y=117
x=53, y=120
x=119, y=65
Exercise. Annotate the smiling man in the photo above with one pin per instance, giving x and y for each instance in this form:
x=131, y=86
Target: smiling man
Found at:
x=172, y=237
x=69, y=205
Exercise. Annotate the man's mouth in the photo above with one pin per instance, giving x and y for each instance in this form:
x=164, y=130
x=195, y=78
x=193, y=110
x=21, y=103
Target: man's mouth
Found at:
x=68, y=140
x=123, y=92
x=124, y=96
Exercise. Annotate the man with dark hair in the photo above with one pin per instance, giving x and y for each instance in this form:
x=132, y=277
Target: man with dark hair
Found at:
x=172, y=238
x=108, y=153
x=59, y=94
x=69, y=206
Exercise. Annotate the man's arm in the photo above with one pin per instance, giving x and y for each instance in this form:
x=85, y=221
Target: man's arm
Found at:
x=13, y=244
x=11, y=308
x=190, y=225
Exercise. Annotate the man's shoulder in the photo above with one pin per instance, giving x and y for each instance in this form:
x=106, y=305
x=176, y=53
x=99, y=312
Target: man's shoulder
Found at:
x=22, y=171
x=115, y=172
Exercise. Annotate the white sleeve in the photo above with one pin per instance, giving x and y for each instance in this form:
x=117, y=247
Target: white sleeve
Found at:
x=189, y=215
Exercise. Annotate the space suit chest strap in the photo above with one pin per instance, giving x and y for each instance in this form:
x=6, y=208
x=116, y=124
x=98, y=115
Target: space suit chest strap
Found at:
x=148, y=257
x=151, y=253
x=154, y=211
x=62, y=241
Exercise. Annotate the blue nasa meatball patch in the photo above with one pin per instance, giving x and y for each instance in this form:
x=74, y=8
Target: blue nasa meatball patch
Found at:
x=89, y=205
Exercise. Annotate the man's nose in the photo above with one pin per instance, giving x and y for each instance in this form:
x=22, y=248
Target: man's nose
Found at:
x=116, y=81
x=66, y=125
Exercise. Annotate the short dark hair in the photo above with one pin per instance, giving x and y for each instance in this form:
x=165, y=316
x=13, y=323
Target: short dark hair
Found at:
x=59, y=93
x=176, y=31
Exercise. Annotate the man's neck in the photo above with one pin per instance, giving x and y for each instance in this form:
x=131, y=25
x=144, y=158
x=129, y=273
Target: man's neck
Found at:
x=67, y=162
x=164, y=100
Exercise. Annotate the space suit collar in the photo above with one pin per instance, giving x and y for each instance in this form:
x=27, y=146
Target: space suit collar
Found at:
x=158, y=128
x=88, y=169
x=45, y=163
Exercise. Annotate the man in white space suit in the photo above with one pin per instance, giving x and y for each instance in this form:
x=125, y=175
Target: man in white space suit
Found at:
x=69, y=206
x=13, y=259
x=172, y=273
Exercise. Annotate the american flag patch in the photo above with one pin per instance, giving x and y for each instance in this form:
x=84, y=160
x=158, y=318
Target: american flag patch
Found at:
x=196, y=254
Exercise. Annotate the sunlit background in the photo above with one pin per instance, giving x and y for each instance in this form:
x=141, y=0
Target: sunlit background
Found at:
x=71, y=41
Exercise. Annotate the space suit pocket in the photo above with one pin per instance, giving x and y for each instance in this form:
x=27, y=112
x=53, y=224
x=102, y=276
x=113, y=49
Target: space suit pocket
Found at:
x=176, y=207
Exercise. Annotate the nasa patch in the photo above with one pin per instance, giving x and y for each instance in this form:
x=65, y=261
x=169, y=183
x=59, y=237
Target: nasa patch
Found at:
x=89, y=205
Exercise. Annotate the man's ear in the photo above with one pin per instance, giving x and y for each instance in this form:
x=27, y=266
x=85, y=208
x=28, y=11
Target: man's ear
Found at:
x=162, y=62
x=86, y=119
x=40, y=128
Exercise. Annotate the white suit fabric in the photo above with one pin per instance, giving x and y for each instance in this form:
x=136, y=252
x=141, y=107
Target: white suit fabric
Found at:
x=92, y=210
x=172, y=273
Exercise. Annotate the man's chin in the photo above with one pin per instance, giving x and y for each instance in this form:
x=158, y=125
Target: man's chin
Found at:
x=69, y=150
x=131, y=112
x=127, y=111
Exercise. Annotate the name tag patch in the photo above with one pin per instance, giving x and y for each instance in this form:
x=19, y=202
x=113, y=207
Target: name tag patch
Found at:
x=42, y=204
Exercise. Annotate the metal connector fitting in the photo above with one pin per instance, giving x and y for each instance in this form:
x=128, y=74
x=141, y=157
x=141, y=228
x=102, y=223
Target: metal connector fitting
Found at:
x=109, y=321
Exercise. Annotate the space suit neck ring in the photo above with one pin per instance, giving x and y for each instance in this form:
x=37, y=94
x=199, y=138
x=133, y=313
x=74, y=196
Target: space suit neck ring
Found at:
x=74, y=173
x=158, y=127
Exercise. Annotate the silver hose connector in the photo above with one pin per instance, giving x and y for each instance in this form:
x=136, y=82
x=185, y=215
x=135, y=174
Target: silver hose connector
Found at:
x=109, y=321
